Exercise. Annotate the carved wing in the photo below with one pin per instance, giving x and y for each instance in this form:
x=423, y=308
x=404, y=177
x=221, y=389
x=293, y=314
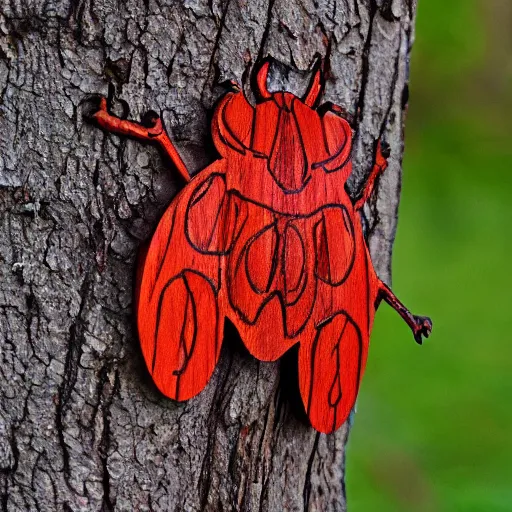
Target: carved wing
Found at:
x=330, y=371
x=179, y=280
x=332, y=358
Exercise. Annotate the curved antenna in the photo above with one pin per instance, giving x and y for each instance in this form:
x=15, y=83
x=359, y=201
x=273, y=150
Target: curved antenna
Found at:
x=316, y=85
x=261, y=80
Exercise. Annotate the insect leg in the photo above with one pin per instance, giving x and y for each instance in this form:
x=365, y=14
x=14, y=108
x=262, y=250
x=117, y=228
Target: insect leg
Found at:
x=379, y=167
x=151, y=129
x=420, y=325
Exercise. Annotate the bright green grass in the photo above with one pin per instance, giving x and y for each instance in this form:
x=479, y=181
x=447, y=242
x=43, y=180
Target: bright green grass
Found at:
x=433, y=430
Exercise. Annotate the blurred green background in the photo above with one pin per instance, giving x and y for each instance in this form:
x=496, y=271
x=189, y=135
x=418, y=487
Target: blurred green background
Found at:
x=433, y=431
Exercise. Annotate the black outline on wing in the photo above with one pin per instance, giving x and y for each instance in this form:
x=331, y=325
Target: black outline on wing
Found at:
x=239, y=224
x=188, y=354
x=350, y=229
x=275, y=258
x=303, y=279
x=319, y=328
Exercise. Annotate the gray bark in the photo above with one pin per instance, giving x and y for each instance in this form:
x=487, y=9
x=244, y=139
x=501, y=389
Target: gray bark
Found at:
x=81, y=425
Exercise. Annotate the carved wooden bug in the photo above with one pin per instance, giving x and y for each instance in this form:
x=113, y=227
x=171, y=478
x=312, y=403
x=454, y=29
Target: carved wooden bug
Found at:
x=267, y=237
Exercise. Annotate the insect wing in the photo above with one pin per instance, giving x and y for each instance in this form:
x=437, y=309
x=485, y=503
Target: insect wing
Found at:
x=179, y=322
x=330, y=371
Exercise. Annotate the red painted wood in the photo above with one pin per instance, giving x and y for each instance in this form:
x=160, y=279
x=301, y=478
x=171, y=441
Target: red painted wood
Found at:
x=268, y=237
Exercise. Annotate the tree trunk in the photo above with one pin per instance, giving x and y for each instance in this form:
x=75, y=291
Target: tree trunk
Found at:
x=82, y=427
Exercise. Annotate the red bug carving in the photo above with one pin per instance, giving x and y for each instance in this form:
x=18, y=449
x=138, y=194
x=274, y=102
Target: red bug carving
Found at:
x=268, y=237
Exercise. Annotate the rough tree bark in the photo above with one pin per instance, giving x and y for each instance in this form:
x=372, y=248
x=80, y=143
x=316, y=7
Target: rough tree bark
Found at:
x=81, y=425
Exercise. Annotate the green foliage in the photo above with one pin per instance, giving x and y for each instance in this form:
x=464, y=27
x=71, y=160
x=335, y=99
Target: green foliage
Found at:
x=433, y=428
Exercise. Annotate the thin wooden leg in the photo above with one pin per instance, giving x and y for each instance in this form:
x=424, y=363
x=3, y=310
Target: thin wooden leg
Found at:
x=379, y=167
x=420, y=325
x=152, y=130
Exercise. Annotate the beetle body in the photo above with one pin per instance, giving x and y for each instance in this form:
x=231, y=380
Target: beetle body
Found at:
x=267, y=237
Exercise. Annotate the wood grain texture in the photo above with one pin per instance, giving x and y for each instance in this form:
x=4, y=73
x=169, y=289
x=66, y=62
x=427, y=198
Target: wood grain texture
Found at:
x=267, y=237
x=82, y=427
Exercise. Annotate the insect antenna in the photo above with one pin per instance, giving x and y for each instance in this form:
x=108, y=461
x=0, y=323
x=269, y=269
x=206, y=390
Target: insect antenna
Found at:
x=261, y=80
x=316, y=85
